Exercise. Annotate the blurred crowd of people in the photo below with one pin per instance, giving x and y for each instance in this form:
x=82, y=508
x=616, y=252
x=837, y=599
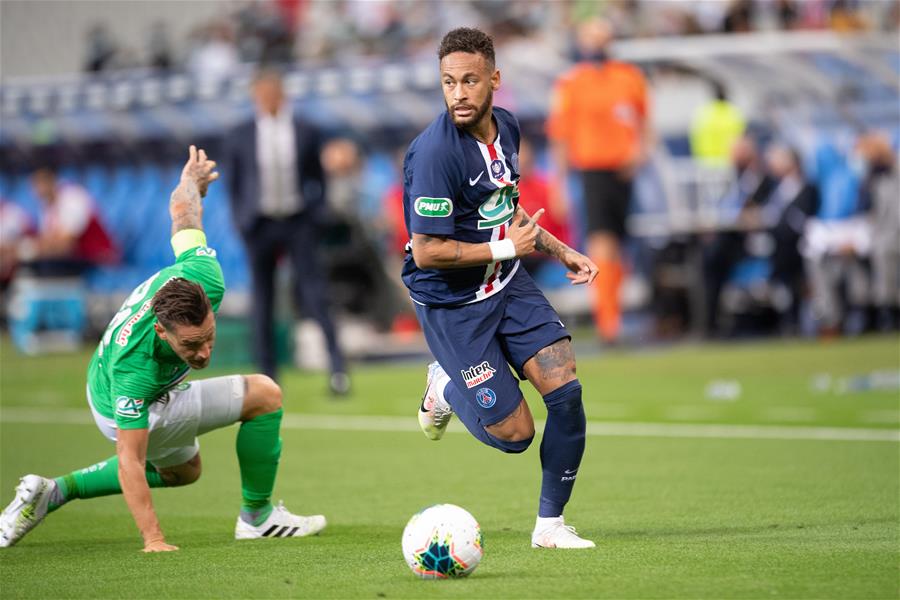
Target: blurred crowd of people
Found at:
x=281, y=31
x=818, y=230
x=826, y=233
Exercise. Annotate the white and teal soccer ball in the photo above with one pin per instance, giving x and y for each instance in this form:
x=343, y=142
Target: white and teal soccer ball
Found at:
x=442, y=541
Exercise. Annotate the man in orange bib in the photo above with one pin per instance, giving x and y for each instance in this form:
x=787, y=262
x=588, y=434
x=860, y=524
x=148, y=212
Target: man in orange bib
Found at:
x=598, y=126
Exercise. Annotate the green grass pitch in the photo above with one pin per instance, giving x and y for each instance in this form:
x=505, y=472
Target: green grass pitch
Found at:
x=709, y=511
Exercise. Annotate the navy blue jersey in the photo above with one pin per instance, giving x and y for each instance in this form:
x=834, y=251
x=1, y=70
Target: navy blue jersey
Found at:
x=456, y=187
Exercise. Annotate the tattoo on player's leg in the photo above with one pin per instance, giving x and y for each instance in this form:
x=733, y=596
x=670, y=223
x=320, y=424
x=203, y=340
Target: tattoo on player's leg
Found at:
x=556, y=361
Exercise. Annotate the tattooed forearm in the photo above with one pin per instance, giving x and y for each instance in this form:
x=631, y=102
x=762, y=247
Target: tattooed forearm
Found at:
x=458, y=252
x=185, y=207
x=545, y=242
x=549, y=245
x=557, y=361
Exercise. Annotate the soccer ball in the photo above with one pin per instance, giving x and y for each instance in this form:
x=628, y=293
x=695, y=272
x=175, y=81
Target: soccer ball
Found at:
x=442, y=541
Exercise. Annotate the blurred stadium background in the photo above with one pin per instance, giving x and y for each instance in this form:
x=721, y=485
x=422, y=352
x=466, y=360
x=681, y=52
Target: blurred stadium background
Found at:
x=112, y=92
x=788, y=446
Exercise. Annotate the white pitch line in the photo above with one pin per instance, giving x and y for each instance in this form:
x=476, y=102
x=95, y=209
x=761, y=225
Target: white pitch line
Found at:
x=46, y=416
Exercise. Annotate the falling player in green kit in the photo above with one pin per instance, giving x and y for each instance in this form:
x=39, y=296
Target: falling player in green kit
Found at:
x=164, y=329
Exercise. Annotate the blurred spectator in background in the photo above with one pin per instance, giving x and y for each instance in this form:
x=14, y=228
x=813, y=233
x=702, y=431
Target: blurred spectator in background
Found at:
x=783, y=216
x=846, y=15
x=277, y=190
x=725, y=248
x=356, y=267
x=715, y=128
x=740, y=16
x=393, y=227
x=881, y=189
x=101, y=49
x=392, y=223
x=159, y=47
x=343, y=166
x=263, y=33
x=213, y=54
x=534, y=194
x=598, y=125
x=837, y=242
x=787, y=14
x=15, y=226
x=71, y=237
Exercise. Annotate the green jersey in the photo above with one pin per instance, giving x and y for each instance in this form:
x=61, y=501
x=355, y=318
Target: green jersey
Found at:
x=132, y=367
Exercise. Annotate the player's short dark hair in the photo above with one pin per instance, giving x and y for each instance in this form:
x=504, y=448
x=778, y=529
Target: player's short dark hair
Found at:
x=466, y=39
x=181, y=302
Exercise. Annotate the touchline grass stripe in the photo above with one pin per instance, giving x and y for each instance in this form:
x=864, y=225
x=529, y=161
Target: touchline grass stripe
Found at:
x=595, y=428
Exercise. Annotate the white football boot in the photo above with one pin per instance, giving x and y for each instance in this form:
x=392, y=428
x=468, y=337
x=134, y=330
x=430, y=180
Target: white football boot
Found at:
x=435, y=412
x=554, y=533
x=280, y=524
x=27, y=509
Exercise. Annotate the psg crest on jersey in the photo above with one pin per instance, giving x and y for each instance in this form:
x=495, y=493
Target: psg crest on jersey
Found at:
x=497, y=168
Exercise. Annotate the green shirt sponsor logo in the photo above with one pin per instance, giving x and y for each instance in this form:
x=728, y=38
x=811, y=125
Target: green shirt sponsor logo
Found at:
x=129, y=408
x=434, y=207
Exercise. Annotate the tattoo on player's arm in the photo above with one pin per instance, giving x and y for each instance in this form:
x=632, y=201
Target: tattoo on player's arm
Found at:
x=185, y=207
x=422, y=240
x=556, y=361
x=549, y=245
x=458, y=252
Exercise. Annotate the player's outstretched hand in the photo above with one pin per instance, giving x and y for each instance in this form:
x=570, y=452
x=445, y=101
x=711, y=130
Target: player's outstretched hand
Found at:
x=581, y=268
x=524, y=233
x=199, y=169
x=159, y=545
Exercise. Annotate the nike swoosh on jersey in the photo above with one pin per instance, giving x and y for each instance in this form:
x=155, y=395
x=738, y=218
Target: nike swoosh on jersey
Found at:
x=472, y=182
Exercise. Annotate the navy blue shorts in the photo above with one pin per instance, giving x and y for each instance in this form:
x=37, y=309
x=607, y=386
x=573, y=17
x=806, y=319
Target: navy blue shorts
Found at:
x=477, y=343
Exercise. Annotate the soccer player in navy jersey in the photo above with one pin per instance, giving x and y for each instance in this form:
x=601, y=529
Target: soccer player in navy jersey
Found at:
x=482, y=313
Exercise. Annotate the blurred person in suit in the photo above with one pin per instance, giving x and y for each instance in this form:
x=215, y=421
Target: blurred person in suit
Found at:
x=277, y=190
x=782, y=219
x=598, y=125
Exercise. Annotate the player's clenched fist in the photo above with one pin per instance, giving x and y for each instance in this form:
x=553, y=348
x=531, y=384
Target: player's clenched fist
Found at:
x=199, y=169
x=524, y=233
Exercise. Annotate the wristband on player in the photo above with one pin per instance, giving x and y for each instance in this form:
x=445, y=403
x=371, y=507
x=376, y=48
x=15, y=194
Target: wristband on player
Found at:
x=186, y=239
x=502, y=249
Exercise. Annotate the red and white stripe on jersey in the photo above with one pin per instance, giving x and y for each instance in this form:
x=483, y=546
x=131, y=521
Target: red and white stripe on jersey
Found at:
x=494, y=278
x=490, y=153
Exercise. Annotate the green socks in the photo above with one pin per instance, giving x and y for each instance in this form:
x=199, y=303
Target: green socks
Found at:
x=258, y=451
x=97, y=480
